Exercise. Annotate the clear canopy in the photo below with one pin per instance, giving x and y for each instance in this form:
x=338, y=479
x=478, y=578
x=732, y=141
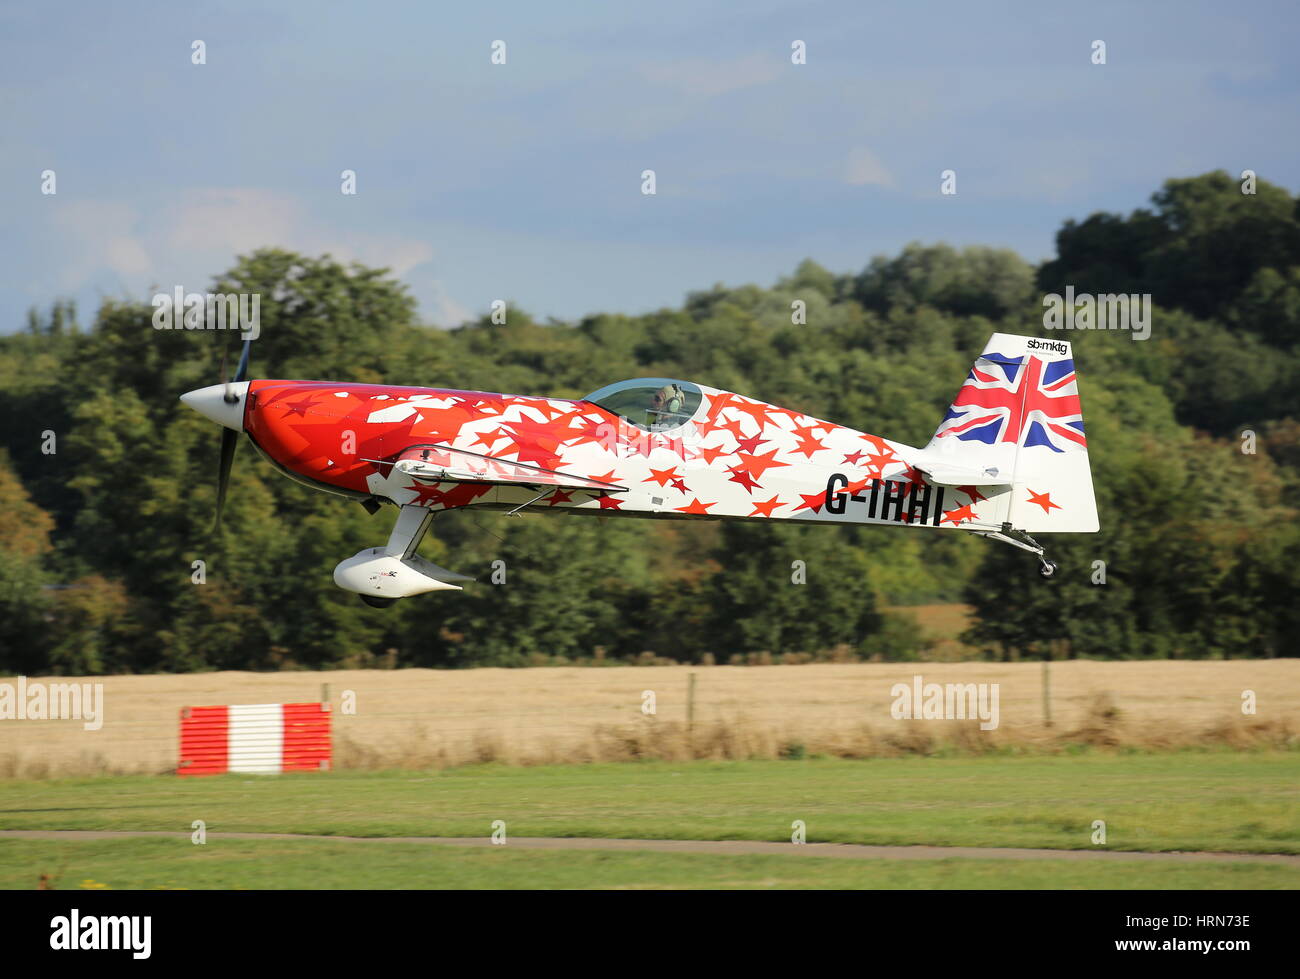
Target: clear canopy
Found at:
x=655, y=403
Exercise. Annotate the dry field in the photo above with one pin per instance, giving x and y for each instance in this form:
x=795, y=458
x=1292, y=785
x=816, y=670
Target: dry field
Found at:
x=436, y=718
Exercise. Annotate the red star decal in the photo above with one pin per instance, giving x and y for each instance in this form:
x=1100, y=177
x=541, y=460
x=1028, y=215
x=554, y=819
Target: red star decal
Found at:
x=538, y=442
x=1043, y=500
x=739, y=475
x=756, y=410
x=298, y=407
x=879, y=444
x=708, y=455
x=734, y=427
x=750, y=444
x=678, y=448
x=607, y=478
x=488, y=439
x=912, y=475
x=756, y=465
x=880, y=461
x=600, y=432
x=958, y=514
x=813, y=502
x=426, y=495
x=477, y=408
x=973, y=492
x=549, y=410
x=463, y=494
x=608, y=502
x=855, y=487
x=852, y=458
x=716, y=403
x=559, y=496
x=809, y=446
x=679, y=485
x=765, y=509
x=661, y=476
x=695, y=507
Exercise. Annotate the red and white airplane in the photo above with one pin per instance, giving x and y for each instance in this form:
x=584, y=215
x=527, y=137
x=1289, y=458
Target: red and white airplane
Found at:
x=1009, y=457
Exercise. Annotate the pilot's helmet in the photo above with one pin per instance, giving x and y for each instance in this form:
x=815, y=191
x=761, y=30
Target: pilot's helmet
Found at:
x=669, y=400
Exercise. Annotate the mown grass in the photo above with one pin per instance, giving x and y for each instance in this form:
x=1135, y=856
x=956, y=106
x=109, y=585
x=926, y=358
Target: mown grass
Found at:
x=1182, y=801
x=324, y=864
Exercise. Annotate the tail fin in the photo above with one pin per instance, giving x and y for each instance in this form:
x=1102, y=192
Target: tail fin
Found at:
x=1018, y=415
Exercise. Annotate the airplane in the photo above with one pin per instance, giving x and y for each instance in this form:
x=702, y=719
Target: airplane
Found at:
x=1009, y=457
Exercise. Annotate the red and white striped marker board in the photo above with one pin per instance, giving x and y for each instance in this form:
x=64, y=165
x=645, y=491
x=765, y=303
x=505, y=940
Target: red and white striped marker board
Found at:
x=254, y=739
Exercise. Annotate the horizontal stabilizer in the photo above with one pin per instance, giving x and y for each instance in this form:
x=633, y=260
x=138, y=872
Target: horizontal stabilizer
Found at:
x=946, y=474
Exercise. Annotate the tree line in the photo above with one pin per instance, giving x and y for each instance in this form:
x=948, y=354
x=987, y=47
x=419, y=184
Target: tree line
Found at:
x=107, y=483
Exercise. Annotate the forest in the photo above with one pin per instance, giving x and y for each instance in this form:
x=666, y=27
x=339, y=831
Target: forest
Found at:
x=108, y=483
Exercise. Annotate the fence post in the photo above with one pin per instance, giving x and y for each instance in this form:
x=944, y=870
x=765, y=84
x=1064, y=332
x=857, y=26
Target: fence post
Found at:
x=1047, y=691
x=690, y=711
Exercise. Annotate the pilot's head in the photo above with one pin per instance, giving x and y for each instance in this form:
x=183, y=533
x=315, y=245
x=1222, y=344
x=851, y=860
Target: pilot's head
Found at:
x=669, y=400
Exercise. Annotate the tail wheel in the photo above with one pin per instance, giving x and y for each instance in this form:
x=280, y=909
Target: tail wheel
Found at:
x=1047, y=569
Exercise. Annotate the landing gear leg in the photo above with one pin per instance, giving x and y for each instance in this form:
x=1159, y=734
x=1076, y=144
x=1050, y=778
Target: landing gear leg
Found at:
x=1018, y=538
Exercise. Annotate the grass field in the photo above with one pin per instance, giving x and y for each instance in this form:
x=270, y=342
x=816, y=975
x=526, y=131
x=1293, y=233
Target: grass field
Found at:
x=317, y=864
x=1184, y=801
x=1194, y=800
x=1158, y=751
x=424, y=719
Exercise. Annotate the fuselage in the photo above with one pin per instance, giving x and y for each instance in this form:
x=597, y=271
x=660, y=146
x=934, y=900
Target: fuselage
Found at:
x=715, y=455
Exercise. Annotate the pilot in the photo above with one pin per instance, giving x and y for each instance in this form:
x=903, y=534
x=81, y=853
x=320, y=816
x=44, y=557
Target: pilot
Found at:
x=667, y=404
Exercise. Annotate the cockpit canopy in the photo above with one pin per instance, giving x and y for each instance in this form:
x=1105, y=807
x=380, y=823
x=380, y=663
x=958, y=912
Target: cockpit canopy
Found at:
x=653, y=403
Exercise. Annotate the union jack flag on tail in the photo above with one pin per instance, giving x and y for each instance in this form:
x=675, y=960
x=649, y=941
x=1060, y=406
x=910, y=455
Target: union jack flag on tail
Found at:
x=1018, y=415
x=1024, y=400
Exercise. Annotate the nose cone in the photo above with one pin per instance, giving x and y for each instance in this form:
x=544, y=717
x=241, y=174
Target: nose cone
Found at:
x=211, y=402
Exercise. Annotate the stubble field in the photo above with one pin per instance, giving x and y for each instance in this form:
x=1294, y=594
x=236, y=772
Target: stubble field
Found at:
x=444, y=718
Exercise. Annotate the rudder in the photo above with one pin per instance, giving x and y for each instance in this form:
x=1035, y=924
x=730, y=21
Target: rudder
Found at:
x=1019, y=414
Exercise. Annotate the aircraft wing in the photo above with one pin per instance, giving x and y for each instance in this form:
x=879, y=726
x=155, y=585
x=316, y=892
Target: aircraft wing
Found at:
x=442, y=463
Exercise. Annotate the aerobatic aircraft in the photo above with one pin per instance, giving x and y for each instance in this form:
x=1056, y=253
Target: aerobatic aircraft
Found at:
x=1009, y=458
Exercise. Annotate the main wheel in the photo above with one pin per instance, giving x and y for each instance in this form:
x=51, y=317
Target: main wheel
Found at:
x=376, y=602
x=1047, y=568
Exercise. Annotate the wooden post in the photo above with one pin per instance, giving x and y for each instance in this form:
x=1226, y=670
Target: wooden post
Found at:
x=1047, y=691
x=690, y=710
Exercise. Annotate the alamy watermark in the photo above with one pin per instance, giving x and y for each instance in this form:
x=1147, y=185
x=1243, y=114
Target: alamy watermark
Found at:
x=75, y=931
x=39, y=701
x=1106, y=312
x=945, y=702
x=180, y=310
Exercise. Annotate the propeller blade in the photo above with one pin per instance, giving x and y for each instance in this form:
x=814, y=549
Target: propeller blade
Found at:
x=229, y=439
x=241, y=372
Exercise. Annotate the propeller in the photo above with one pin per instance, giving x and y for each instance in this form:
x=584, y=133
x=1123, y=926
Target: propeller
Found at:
x=229, y=437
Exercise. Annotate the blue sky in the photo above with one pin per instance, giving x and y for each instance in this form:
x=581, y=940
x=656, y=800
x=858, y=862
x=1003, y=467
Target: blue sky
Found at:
x=523, y=181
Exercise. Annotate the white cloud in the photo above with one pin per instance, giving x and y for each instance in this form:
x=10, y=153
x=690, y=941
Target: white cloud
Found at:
x=192, y=237
x=95, y=236
x=233, y=219
x=865, y=169
x=444, y=310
